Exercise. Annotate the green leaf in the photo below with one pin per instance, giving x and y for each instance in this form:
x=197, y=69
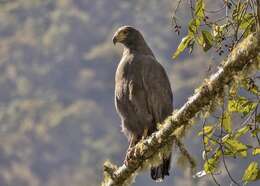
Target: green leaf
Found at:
x=211, y=165
x=236, y=147
x=207, y=40
x=206, y=142
x=199, y=16
x=208, y=129
x=227, y=124
x=248, y=20
x=183, y=45
x=251, y=172
x=191, y=46
x=238, y=12
x=250, y=86
x=241, y=131
x=241, y=105
x=255, y=132
x=193, y=26
x=200, y=40
x=256, y=151
x=199, y=9
x=218, y=31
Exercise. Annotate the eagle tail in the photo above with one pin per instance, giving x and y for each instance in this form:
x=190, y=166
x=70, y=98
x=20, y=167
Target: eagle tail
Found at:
x=158, y=173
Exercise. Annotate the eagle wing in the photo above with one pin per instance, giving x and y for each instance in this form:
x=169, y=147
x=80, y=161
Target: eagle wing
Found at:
x=143, y=94
x=131, y=98
x=158, y=89
x=160, y=102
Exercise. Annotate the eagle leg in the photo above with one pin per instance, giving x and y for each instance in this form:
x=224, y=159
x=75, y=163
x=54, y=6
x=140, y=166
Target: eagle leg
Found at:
x=130, y=151
x=145, y=133
x=133, y=141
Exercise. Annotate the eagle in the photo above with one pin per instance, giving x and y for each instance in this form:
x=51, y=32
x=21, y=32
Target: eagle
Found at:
x=143, y=95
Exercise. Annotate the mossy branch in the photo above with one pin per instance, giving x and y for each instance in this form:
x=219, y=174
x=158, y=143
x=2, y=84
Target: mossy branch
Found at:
x=244, y=58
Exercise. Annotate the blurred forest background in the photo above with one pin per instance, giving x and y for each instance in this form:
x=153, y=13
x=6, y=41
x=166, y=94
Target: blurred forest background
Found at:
x=57, y=64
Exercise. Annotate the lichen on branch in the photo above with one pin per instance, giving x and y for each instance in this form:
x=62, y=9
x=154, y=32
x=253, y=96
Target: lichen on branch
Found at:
x=242, y=60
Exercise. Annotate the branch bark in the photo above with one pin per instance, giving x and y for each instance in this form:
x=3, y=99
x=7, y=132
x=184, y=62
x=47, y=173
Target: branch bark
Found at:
x=258, y=15
x=243, y=58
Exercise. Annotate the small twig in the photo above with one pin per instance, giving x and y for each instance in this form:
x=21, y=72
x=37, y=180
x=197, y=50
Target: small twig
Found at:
x=247, y=119
x=215, y=11
x=206, y=153
x=184, y=151
x=221, y=147
x=239, y=22
x=249, y=25
x=256, y=127
x=258, y=14
x=209, y=23
x=192, y=9
x=174, y=13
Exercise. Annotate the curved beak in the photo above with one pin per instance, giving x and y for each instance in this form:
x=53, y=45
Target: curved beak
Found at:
x=114, y=39
x=118, y=37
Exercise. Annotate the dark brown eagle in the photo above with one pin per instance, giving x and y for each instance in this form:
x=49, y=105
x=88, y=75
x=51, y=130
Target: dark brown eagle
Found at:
x=143, y=95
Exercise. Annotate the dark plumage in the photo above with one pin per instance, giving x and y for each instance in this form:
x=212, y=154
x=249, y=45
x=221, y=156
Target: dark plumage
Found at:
x=143, y=95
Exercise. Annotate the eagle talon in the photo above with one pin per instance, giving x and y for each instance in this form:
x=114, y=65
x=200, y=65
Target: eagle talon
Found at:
x=129, y=156
x=130, y=152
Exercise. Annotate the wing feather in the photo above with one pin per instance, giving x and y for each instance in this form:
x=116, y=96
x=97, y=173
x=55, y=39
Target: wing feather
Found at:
x=158, y=90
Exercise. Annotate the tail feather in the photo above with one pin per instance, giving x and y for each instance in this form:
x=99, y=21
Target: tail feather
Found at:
x=158, y=173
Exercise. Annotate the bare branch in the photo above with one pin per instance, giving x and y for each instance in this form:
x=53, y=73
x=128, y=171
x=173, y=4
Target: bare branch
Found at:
x=185, y=153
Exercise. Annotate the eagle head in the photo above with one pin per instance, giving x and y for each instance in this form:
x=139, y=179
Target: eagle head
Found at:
x=127, y=35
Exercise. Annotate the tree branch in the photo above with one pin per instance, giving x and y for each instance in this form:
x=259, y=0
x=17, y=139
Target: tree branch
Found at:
x=258, y=15
x=244, y=58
